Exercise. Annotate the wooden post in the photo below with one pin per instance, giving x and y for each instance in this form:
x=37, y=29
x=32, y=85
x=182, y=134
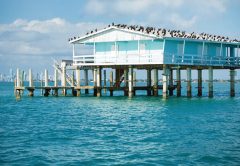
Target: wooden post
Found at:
x=111, y=78
x=171, y=82
x=210, y=82
x=178, y=74
x=105, y=81
x=126, y=82
x=189, y=82
x=130, y=81
x=18, y=78
x=46, y=78
x=99, y=81
x=155, y=82
x=30, y=89
x=199, y=82
x=55, y=78
x=78, y=80
x=149, y=82
x=134, y=79
x=165, y=82
x=63, y=78
x=232, y=82
x=86, y=80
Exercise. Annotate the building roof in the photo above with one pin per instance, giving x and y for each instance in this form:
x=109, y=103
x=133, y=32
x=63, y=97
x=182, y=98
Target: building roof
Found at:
x=157, y=33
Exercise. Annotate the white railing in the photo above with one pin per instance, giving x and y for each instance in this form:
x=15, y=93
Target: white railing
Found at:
x=118, y=59
x=189, y=59
x=154, y=58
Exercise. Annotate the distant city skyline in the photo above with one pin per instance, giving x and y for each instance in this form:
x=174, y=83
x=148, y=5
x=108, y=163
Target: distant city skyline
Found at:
x=33, y=32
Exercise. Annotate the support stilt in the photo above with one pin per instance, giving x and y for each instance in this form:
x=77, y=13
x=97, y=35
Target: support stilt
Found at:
x=86, y=80
x=63, y=79
x=165, y=82
x=130, y=81
x=99, y=82
x=149, y=82
x=199, y=82
x=78, y=80
x=155, y=82
x=189, y=82
x=232, y=82
x=210, y=82
x=178, y=74
x=105, y=81
x=126, y=82
x=30, y=89
x=171, y=82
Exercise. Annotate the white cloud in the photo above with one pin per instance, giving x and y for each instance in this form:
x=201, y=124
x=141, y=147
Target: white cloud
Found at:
x=37, y=37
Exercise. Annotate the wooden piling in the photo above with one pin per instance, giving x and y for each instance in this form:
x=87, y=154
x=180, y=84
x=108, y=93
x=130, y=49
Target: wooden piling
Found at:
x=178, y=75
x=155, y=82
x=165, y=82
x=130, y=81
x=232, y=82
x=189, y=82
x=210, y=82
x=86, y=80
x=199, y=82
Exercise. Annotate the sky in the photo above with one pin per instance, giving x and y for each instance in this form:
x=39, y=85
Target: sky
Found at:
x=33, y=32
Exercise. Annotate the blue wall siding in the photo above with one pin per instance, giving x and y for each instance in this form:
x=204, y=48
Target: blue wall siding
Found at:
x=127, y=45
x=193, y=48
x=173, y=47
x=104, y=46
x=152, y=44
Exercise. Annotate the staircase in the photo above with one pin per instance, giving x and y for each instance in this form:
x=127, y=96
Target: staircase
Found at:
x=69, y=79
x=119, y=77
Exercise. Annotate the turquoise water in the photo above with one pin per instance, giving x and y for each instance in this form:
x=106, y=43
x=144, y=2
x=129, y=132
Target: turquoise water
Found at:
x=143, y=130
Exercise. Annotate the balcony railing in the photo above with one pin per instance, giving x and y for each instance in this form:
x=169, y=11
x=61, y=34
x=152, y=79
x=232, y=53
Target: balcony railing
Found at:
x=125, y=59
x=189, y=59
x=118, y=59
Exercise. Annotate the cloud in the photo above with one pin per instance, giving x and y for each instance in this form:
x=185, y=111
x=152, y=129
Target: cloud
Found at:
x=27, y=40
x=37, y=37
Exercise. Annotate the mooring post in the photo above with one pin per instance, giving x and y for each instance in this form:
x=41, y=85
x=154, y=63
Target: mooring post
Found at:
x=99, y=81
x=105, y=81
x=130, y=81
x=46, y=78
x=126, y=82
x=189, y=82
x=78, y=79
x=30, y=89
x=232, y=82
x=178, y=74
x=171, y=82
x=55, y=82
x=165, y=82
x=134, y=78
x=199, y=82
x=149, y=82
x=155, y=82
x=18, y=77
x=86, y=80
x=210, y=82
x=111, y=83
x=63, y=78
x=47, y=90
x=95, y=82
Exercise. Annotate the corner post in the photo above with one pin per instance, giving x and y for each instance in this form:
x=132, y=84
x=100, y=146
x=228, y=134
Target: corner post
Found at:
x=210, y=82
x=155, y=82
x=232, y=82
x=189, y=82
x=130, y=81
x=178, y=74
x=199, y=82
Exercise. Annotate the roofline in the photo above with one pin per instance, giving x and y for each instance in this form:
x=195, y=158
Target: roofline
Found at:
x=113, y=27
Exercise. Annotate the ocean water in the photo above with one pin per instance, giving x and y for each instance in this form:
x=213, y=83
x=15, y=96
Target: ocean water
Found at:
x=117, y=130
